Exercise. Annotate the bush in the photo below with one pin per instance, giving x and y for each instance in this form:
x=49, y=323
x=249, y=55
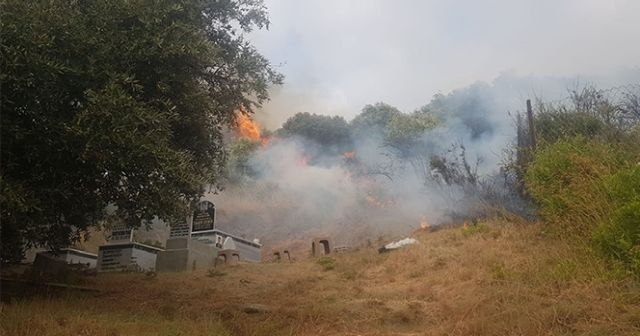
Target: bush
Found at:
x=327, y=263
x=566, y=179
x=619, y=238
x=554, y=125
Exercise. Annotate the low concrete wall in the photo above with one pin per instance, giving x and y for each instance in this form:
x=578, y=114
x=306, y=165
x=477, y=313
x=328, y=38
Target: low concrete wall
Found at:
x=172, y=260
x=249, y=251
x=183, y=254
x=177, y=243
x=114, y=258
x=145, y=259
x=73, y=256
x=201, y=256
x=127, y=257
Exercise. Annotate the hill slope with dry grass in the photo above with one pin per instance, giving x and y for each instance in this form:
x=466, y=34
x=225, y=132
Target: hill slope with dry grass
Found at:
x=491, y=279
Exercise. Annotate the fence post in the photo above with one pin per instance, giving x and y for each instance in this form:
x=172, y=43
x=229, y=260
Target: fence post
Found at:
x=532, y=129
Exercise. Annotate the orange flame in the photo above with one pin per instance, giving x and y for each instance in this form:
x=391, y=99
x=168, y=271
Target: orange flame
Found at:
x=247, y=127
x=424, y=224
x=265, y=141
x=378, y=203
x=349, y=155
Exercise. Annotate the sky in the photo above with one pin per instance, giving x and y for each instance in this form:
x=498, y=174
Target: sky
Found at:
x=339, y=55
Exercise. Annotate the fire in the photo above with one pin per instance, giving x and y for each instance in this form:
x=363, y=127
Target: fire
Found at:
x=247, y=128
x=424, y=224
x=349, y=155
x=265, y=141
x=378, y=203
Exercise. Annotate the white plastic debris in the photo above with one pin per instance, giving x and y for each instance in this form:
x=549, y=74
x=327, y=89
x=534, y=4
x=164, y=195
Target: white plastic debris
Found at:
x=397, y=245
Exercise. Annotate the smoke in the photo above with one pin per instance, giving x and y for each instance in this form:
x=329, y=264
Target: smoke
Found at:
x=338, y=56
x=299, y=189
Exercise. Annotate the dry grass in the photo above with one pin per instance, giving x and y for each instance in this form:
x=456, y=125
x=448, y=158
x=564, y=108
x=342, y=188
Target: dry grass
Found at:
x=498, y=279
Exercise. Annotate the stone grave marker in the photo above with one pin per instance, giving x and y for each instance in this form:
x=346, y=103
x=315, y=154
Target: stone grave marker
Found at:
x=204, y=217
x=121, y=233
x=179, y=229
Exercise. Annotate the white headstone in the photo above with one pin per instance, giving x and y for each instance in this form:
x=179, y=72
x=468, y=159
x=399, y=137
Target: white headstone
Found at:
x=229, y=244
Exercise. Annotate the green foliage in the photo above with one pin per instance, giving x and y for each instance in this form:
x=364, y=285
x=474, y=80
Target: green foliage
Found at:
x=585, y=178
x=331, y=132
x=592, y=113
x=500, y=272
x=239, y=155
x=327, y=263
x=373, y=120
x=566, y=181
x=475, y=229
x=554, y=125
x=405, y=131
x=118, y=103
x=619, y=238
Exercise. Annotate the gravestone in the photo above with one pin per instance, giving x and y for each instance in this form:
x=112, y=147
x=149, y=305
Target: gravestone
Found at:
x=320, y=246
x=121, y=233
x=182, y=250
x=121, y=253
x=179, y=229
x=176, y=254
x=204, y=217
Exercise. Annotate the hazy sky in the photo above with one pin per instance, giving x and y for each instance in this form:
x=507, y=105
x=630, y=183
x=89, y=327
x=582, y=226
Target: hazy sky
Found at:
x=338, y=55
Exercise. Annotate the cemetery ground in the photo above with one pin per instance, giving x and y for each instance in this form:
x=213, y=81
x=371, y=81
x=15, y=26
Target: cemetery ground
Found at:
x=495, y=278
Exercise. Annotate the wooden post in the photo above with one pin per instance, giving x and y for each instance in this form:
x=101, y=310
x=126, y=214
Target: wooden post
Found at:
x=532, y=129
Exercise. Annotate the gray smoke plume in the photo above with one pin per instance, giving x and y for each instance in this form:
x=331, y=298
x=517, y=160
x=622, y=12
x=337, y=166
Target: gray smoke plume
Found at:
x=300, y=189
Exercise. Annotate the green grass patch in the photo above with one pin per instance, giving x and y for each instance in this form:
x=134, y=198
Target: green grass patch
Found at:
x=327, y=263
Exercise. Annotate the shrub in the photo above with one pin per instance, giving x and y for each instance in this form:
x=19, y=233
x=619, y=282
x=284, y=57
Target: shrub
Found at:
x=566, y=179
x=327, y=263
x=619, y=238
x=554, y=125
x=474, y=228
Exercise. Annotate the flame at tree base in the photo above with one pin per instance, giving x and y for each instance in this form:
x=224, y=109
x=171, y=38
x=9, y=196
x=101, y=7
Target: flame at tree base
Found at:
x=247, y=127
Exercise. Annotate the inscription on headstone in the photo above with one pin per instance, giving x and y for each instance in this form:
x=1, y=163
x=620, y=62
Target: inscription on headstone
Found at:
x=121, y=233
x=179, y=229
x=204, y=217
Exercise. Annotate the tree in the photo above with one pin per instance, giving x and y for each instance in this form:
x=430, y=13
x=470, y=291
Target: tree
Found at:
x=406, y=140
x=240, y=153
x=405, y=133
x=373, y=120
x=119, y=103
x=329, y=132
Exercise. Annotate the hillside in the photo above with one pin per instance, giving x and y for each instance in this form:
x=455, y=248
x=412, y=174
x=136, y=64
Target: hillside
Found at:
x=494, y=278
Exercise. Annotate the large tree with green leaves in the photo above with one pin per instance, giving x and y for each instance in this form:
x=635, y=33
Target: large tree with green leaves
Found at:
x=118, y=103
x=331, y=132
x=373, y=120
